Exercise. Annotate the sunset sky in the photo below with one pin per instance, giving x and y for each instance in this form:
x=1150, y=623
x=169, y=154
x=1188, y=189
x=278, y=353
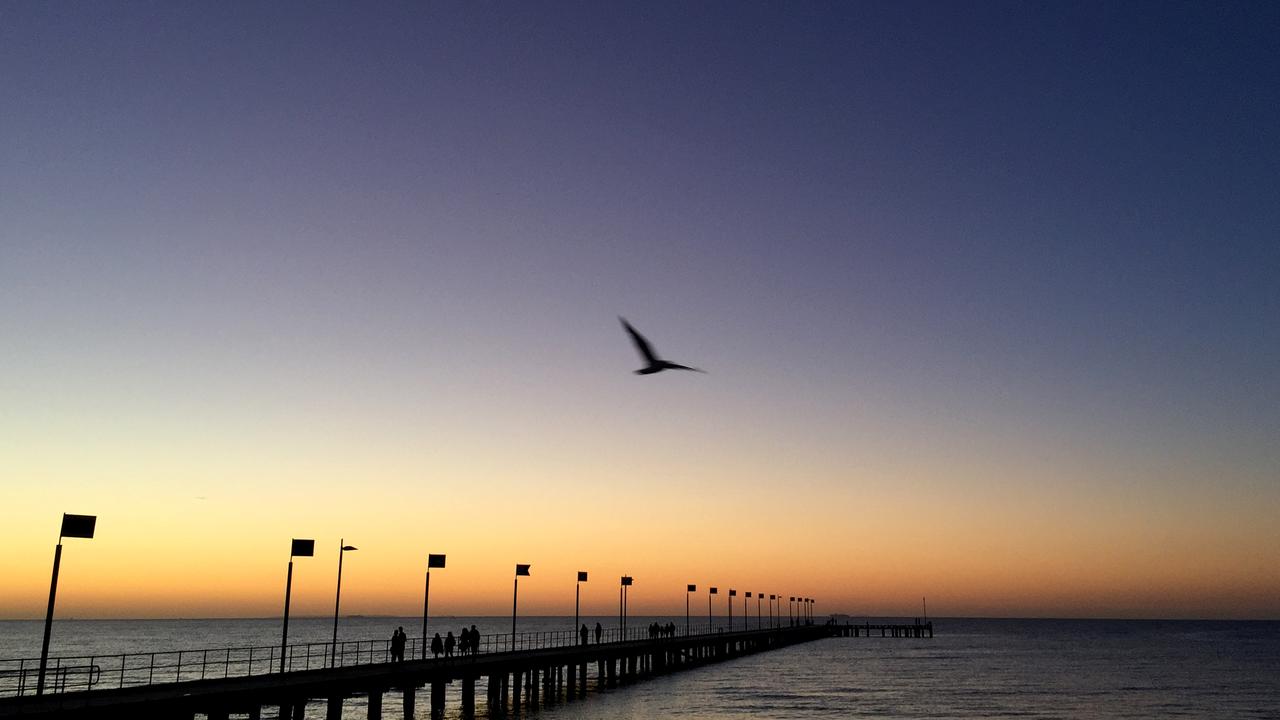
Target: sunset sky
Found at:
x=987, y=293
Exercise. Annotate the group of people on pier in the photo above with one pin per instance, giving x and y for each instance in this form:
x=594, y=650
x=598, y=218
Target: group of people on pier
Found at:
x=467, y=642
x=657, y=631
x=583, y=633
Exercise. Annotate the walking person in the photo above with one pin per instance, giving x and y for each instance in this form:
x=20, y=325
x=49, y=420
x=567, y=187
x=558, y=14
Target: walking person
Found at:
x=449, y=642
x=599, y=632
x=437, y=645
x=475, y=641
x=584, y=633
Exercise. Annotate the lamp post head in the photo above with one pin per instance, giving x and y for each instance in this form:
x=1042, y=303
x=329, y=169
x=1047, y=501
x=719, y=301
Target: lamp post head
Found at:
x=77, y=526
x=349, y=547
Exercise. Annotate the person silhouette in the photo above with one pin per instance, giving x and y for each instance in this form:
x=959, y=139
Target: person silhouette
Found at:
x=437, y=645
x=398, y=639
x=449, y=642
x=464, y=641
x=475, y=640
x=583, y=633
x=599, y=631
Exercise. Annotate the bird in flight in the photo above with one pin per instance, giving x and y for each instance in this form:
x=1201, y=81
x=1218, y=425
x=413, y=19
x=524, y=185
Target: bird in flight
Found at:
x=655, y=363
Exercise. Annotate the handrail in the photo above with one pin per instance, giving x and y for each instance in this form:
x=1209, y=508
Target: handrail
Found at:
x=83, y=673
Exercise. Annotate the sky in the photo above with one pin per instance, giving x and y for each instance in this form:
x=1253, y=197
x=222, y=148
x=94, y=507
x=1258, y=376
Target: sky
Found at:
x=986, y=292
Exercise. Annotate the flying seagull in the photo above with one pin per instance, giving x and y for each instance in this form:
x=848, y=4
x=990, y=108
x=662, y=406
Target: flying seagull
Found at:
x=656, y=364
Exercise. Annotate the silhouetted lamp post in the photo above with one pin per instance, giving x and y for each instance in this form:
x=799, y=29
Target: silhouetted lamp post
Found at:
x=577, y=597
x=515, y=594
x=691, y=588
x=759, y=602
x=711, y=623
x=337, y=600
x=625, y=583
x=298, y=548
x=78, y=526
x=772, y=598
x=732, y=594
x=791, y=611
x=746, y=623
x=433, y=561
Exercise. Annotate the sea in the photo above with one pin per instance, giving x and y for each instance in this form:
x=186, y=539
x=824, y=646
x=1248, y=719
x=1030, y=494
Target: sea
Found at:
x=971, y=668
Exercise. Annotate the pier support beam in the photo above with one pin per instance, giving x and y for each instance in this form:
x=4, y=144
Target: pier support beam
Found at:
x=375, y=705
x=334, y=710
x=437, y=698
x=408, y=697
x=469, y=695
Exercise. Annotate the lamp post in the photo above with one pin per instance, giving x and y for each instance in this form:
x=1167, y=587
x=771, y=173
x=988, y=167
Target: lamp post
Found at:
x=433, y=561
x=78, y=526
x=690, y=588
x=746, y=622
x=577, y=596
x=771, y=599
x=297, y=548
x=710, y=622
x=759, y=600
x=515, y=594
x=624, y=583
x=732, y=594
x=791, y=611
x=337, y=600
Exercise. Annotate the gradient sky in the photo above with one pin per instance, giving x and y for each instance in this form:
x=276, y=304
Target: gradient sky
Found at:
x=988, y=293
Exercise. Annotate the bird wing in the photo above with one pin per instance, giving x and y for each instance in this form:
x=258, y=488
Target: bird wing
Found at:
x=642, y=345
x=674, y=366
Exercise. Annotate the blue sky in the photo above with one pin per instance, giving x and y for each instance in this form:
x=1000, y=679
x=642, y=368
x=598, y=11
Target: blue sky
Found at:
x=913, y=237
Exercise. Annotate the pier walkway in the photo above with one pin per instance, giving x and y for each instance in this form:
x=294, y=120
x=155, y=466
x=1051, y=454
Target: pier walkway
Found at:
x=542, y=669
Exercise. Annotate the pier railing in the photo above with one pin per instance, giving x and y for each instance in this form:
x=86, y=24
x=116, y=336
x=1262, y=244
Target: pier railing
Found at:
x=83, y=673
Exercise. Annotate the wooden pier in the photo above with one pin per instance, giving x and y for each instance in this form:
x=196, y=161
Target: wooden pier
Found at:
x=508, y=681
x=916, y=629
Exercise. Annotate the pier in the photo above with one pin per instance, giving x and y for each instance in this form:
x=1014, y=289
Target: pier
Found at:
x=507, y=680
x=915, y=629
x=542, y=669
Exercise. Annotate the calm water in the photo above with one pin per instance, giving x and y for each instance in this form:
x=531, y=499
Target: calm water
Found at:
x=972, y=669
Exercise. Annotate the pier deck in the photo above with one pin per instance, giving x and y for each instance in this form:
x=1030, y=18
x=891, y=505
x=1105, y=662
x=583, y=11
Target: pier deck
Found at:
x=510, y=680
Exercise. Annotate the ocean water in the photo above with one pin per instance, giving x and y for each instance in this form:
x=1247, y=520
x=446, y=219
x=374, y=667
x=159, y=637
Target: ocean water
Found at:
x=971, y=669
